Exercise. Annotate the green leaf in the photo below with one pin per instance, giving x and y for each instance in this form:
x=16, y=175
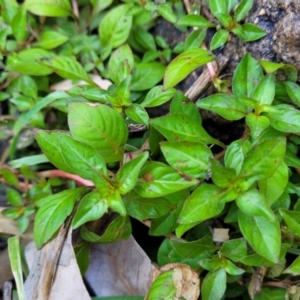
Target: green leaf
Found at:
x=9, y=8
x=157, y=179
x=210, y=282
x=219, y=39
x=70, y=155
x=144, y=38
x=284, y=119
x=274, y=186
x=184, y=64
x=66, y=67
x=204, y=203
x=195, y=39
x=292, y=220
x=235, y=154
x=14, y=198
x=248, y=32
x=246, y=77
x=254, y=204
x=242, y=9
x=264, y=158
x=220, y=175
x=265, y=91
x=10, y=177
x=26, y=62
x=217, y=6
x=99, y=5
x=187, y=158
x=15, y=258
x=120, y=64
x=142, y=208
x=293, y=91
x=118, y=229
x=256, y=260
x=115, y=27
x=232, y=269
x=18, y=25
x=147, y=75
x=166, y=12
x=127, y=176
x=195, y=21
x=49, y=8
x=257, y=124
x=53, y=212
x=262, y=234
x=230, y=5
x=91, y=207
x=178, y=126
x=227, y=106
x=234, y=249
x=138, y=114
x=157, y=96
x=51, y=39
x=180, y=104
x=294, y=268
x=99, y=126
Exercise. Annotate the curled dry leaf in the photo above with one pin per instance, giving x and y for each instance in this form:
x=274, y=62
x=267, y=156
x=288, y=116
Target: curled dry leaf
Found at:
x=185, y=280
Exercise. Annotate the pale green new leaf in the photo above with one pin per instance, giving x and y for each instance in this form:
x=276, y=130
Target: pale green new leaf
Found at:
x=214, y=285
x=292, y=220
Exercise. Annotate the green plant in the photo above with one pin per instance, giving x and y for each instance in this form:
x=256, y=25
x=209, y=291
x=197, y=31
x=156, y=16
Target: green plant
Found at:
x=170, y=174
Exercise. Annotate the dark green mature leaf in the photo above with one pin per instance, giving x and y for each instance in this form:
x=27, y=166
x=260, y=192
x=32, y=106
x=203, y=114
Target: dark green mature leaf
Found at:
x=195, y=21
x=294, y=268
x=9, y=8
x=220, y=175
x=285, y=119
x=188, y=158
x=126, y=177
x=144, y=38
x=204, y=203
x=142, y=208
x=49, y=8
x=18, y=25
x=219, y=39
x=234, y=249
x=91, y=207
x=115, y=26
x=120, y=64
x=53, y=212
x=292, y=220
x=147, y=75
x=66, y=67
x=246, y=77
x=263, y=235
x=157, y=179
x=26, y=62
x=70, y=155
x=210, y=282
x=227, y=106
x=179, y=126
x=264, y=158
x=253, y=203
x=51, y=39
x=184, y=64
x=100, y=127
x=157, y=96
x=273, y=187
x=242, y=9
x=118, y=229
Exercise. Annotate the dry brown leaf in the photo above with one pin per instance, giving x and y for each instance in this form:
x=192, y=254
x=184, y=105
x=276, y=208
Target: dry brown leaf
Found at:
x=120, y=268
x=54, y=273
